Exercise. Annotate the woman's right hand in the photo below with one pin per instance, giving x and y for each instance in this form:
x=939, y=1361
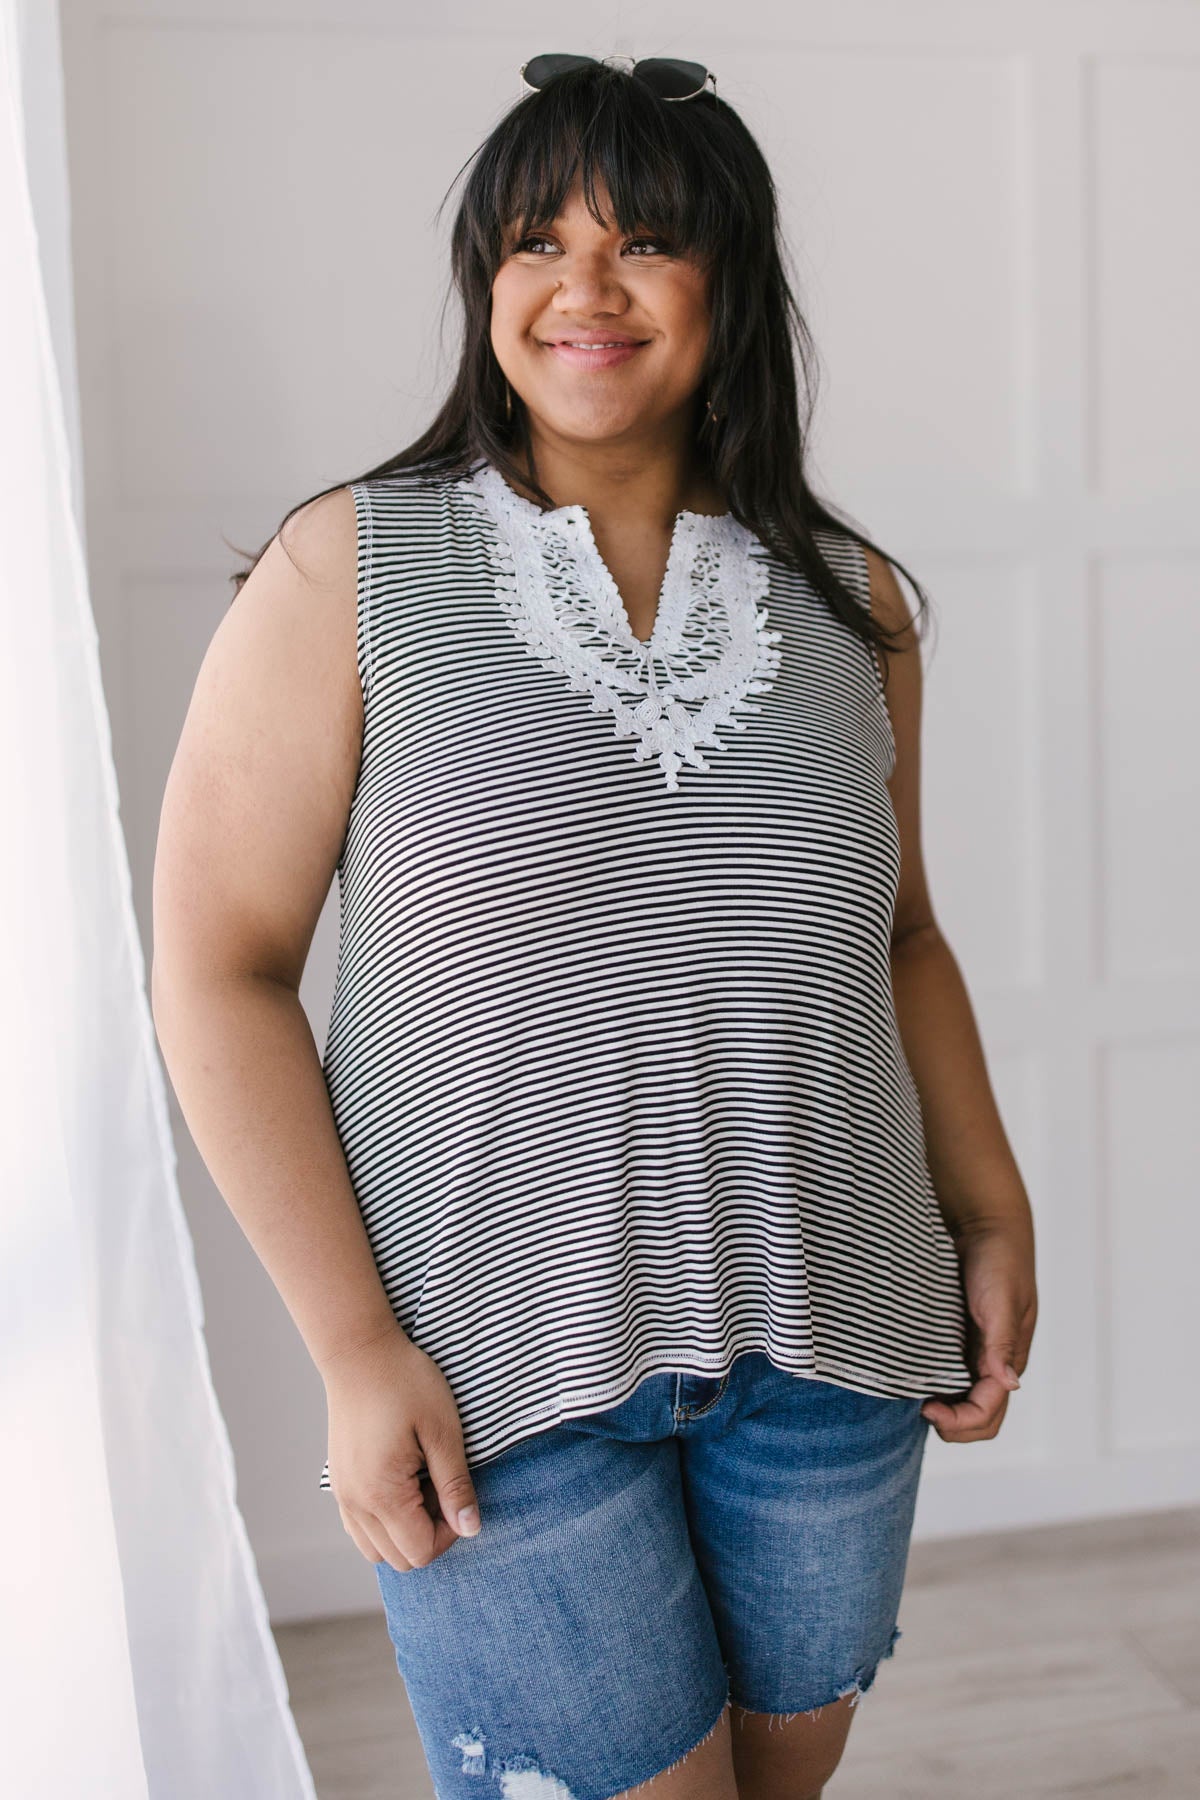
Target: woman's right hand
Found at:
x=391, y=1415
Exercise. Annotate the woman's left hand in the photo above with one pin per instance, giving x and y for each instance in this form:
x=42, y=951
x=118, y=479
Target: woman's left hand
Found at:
x=1001, y=1295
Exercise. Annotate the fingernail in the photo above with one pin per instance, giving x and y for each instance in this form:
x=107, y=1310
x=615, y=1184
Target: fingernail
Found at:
x=468, y=1521
x=1012, y=1374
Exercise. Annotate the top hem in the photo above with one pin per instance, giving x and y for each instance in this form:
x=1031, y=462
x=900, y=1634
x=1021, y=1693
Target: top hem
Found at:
x=579, y=1403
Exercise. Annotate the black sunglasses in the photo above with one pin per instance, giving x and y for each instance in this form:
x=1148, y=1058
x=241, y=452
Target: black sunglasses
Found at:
x=671, y=80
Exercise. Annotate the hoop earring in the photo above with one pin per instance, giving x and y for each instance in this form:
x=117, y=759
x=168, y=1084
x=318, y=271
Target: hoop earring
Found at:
x=708, y=409
x=507, y=402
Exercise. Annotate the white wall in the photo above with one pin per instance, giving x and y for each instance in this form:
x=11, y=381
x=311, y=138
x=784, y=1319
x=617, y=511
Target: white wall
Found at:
x=992, y=211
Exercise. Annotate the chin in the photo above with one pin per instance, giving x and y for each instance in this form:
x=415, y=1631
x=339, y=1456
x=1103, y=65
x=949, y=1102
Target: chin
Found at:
x=591, y=428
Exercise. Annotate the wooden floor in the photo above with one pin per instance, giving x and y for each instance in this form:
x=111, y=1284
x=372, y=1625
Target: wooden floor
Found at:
x=1058, y=1662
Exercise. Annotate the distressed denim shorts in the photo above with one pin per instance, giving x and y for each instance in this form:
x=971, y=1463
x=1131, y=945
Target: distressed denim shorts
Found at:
x=740, y=1538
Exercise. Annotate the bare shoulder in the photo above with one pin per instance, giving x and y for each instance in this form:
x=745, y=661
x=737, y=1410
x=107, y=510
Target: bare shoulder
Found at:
x=321, y=538
x=299, y=602
x=900, y=658
x=258, y=795
x=888, y=603
x=903, y=698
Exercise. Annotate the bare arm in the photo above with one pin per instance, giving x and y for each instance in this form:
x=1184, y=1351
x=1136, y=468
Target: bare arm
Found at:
x=974, y=1171
x=976, y=1179
x=253, y=819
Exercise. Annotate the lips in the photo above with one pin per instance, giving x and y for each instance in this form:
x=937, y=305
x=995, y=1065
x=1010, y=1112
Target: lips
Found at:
x=592, y=350
x=590, y=338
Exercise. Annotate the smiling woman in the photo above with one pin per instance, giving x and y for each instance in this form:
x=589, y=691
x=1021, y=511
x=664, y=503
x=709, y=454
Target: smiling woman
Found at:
x=603, y=332
x=605, y=337
x=626, y=1232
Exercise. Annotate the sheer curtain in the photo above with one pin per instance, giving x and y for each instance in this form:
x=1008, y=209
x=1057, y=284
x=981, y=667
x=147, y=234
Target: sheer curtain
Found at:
x=136, y=1656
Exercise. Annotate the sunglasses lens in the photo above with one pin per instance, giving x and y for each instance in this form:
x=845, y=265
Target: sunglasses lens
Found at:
x=673, y=80
x=544, y=68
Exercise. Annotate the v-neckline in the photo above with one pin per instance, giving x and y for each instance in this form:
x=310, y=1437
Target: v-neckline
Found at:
x=576, y=518
x=711, y=647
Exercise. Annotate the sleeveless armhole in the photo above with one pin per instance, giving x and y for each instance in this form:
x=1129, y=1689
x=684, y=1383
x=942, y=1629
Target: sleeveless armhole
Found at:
x=365, y=522
x=850, y=560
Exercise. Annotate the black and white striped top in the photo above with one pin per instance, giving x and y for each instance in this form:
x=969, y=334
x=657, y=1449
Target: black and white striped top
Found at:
x=613, y=1053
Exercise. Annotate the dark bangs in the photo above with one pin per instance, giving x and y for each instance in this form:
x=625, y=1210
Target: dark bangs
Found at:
x=669, y=168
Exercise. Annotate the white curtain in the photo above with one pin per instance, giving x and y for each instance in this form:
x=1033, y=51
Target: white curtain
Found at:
x=136, y=1657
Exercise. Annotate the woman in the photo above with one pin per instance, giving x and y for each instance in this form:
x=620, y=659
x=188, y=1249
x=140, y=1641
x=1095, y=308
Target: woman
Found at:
x=612, y=1213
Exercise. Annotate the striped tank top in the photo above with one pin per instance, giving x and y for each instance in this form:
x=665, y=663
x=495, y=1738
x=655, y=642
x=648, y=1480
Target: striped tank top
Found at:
x=613, y=1053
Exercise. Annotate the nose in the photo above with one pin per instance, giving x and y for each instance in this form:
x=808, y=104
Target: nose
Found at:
x=590, y=284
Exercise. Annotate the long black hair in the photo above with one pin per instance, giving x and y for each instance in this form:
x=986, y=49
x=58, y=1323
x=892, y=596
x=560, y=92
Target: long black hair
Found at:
x=691, y=173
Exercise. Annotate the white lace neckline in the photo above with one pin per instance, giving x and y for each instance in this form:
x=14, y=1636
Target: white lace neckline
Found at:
x=710, y=647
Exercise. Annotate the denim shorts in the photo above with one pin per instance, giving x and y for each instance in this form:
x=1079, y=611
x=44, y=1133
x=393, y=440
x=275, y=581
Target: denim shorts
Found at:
x=739, y=1538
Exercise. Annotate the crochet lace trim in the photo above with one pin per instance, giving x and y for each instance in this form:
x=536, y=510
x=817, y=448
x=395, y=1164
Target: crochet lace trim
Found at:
x=711, y=646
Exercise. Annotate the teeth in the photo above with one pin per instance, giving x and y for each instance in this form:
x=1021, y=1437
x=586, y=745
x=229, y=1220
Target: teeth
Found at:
x=573, y=346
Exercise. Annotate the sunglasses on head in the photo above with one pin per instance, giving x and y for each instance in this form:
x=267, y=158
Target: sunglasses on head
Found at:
x=670, y=79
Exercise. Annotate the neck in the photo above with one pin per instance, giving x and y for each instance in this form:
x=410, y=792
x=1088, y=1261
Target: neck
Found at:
x=646, y=488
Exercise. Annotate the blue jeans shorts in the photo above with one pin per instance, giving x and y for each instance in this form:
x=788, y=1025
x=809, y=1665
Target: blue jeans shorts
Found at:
x=740, y=1538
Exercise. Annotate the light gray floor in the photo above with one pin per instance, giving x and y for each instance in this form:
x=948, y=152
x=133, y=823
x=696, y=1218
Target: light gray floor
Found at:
x=1058, y=1662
